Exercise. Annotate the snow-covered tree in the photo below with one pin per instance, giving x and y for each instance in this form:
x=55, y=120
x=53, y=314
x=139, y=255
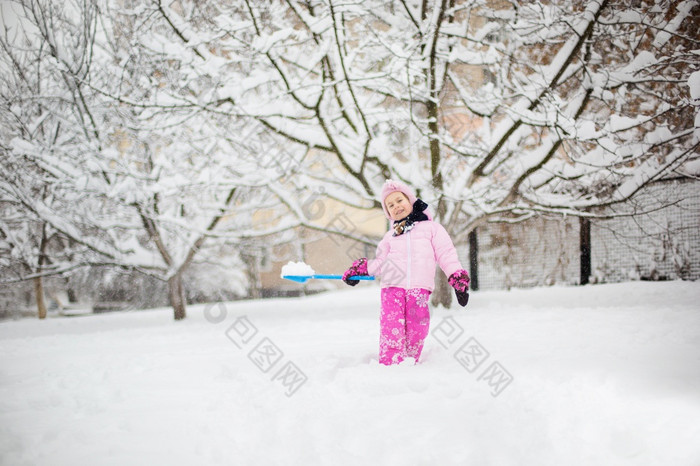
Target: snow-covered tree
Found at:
x=193, y=114
x=48, y=134
x=126, y=185
x=494, y=111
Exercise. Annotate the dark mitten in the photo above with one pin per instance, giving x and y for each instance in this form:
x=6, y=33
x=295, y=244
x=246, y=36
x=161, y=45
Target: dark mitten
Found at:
x=462, y=297
x=359, y=267
x=460, y=282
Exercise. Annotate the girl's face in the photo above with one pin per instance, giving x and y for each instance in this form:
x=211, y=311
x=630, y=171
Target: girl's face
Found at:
x=397, y=204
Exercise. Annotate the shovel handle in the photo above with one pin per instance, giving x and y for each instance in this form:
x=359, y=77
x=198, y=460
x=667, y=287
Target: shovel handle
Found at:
x=304, y=278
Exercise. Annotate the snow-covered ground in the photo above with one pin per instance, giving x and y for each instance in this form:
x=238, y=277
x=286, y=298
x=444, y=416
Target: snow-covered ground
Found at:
x=605, y=374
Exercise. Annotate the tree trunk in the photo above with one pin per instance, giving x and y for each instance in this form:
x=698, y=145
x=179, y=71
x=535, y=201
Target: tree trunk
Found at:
x=40, y=302
x=253, y=274
x=442, y=294
x=176, y=293
x=38, y=281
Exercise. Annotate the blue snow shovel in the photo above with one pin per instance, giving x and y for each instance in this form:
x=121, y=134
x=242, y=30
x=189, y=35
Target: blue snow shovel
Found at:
x=304, y=278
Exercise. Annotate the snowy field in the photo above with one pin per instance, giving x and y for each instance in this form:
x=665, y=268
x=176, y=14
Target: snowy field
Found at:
x=594, y=375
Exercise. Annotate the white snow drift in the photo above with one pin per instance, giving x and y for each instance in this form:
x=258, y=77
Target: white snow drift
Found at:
x=604, y=374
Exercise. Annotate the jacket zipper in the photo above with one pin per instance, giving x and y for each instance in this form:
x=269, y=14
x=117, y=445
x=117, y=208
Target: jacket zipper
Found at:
x=408, y=262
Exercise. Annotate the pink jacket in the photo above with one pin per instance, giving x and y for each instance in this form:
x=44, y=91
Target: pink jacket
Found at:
x=408, y=260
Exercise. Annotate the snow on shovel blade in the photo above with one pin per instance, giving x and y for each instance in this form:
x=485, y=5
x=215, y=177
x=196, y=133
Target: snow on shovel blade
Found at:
x=304, y=278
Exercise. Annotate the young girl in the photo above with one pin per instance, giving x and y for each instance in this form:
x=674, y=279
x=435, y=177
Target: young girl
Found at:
x=405, y=262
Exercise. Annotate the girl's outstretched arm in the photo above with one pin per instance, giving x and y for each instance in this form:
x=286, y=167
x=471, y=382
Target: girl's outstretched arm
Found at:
x=446, y=256
x=445, y=251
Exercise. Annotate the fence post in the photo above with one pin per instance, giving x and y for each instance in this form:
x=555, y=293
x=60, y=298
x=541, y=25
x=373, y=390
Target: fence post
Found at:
x=585, y=245
x=473, y=260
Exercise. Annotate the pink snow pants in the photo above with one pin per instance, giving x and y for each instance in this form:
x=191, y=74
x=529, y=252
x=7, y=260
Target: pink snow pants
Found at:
x=404, y=324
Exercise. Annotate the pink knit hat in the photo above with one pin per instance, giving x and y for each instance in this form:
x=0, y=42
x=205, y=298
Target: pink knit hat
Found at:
x=391, y=186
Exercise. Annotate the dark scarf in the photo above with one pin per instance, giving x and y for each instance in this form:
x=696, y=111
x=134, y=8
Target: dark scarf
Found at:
x=417, y=215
